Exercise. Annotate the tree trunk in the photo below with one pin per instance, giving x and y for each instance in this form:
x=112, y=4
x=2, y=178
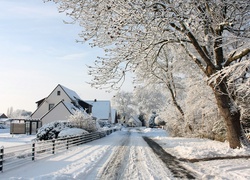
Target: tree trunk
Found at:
x=231, y=117
x=175, y=101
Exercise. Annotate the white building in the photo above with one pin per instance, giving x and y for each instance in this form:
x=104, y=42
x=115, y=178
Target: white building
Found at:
x=59, y=105
x=134, y=122
x=101, y=109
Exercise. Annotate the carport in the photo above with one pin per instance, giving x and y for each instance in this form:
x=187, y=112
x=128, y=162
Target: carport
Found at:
x=24, y=126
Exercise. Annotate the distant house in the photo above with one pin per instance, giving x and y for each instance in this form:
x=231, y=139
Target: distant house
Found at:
x=101, y=109
x=4, y=119
x=134, y=122
x=59, y=105
x=2, y=115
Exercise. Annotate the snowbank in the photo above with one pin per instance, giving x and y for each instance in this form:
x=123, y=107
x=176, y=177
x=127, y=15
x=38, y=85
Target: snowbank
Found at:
x=72, y=132
x=192, y=148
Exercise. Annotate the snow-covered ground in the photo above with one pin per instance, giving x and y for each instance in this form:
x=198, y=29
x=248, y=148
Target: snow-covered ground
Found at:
x=125, y=155
x=9, y=140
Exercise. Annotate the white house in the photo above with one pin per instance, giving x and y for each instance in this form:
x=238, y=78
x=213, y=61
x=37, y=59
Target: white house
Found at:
x=101, y=109
x=134, y=122
x=59, y=105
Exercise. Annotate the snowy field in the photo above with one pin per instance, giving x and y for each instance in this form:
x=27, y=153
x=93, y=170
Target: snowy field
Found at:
x=125, y=155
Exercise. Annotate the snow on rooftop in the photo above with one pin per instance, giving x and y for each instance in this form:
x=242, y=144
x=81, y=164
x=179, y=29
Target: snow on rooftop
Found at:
x=72, y=94
x=4, y=119
x=70, y=107
x=100, y=109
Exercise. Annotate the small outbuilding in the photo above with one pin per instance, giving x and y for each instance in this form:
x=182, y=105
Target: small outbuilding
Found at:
x=24, y=126
x=134, y=122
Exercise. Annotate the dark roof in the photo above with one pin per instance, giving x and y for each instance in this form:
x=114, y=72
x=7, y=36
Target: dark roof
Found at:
x=40, y=101
x=2, y=115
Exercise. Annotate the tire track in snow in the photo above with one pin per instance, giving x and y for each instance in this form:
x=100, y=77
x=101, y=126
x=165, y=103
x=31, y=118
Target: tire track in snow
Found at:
x=171, y=162
x=134, y=159
x=113, y=169
x=143, y=162
x=91, y=171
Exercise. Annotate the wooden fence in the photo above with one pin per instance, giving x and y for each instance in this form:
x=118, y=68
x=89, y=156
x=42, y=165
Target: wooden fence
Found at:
x=12, y=157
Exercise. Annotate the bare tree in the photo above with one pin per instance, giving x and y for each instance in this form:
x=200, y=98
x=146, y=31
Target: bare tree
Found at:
x=123, y=102
x=213, y=33
x=18, y=113
x=161, y=73
x=148, y=99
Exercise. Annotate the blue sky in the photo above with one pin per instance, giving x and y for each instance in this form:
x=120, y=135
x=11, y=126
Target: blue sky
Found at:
x=37, y=52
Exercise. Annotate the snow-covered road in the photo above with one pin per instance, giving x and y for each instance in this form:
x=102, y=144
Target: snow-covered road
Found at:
x=122, y=155
x=126, y=155
x=133, y=159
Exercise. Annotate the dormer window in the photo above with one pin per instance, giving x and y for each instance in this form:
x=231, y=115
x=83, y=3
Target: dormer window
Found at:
x=58, y=93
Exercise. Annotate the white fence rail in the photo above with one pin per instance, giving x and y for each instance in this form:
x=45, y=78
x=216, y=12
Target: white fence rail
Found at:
x=15, y=156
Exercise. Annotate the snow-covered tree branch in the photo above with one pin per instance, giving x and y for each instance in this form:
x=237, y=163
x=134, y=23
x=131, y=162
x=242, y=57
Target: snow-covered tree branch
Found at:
x=214, y=33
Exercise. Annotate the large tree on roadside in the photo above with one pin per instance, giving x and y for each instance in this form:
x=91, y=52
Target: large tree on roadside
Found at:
x=213, y=33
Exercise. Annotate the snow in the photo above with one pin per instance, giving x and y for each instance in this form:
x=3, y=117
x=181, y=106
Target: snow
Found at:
x=71, y=132
x=125, y=155
x=9, y=140
x=192, y=148
x=101, y=109
x=72, y=94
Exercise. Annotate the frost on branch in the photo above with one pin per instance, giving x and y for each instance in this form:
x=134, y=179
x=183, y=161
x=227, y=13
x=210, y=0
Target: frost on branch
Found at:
x=214, y=34
x=81, y=119
x=238, y=81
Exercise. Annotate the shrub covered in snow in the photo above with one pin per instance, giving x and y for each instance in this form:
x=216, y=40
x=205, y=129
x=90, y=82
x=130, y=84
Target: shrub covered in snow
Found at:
x=81, y=119
x=52, y=130
x=69, y=132
x=159, y=121
x=104, y=123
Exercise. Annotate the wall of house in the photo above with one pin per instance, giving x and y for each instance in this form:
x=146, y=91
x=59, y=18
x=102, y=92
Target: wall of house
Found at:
x=60, y=112
x=53, y=98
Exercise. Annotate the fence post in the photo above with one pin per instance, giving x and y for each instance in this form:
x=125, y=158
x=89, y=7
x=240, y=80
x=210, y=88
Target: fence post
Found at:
x=67, y=144
x=33, y=152
x=82, y=139
x=53, y=146
x=1, y=158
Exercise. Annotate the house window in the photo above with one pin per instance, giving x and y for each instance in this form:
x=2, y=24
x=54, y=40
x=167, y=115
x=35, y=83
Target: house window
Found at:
x=58, y=93
x=51, y=106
